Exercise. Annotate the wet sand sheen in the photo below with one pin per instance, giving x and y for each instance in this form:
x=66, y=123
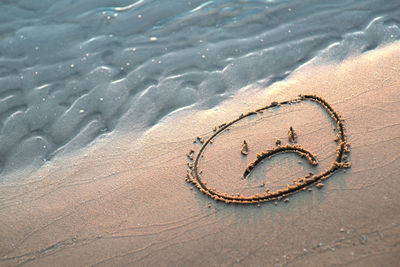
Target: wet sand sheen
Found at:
x=125, y=201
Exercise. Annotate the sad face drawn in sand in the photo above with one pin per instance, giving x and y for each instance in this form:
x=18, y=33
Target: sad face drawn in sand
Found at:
x=197, y=178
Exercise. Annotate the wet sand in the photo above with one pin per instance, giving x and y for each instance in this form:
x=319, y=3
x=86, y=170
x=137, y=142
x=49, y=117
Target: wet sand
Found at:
x=124, y=200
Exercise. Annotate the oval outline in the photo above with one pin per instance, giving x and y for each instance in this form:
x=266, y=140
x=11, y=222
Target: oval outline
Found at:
x=343, y=147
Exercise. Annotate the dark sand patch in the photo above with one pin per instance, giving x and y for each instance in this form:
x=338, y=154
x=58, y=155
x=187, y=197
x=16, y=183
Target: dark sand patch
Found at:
x=126, y=202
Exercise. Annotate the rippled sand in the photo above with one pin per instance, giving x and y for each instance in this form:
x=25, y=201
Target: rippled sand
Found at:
x=71, y=72
x=124, y=201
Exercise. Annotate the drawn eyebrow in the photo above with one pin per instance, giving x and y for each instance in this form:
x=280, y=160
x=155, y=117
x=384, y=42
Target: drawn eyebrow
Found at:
x=194, y=178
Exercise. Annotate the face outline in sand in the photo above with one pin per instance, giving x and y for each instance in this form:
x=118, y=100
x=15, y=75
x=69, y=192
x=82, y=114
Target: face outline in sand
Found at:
x=343, y=147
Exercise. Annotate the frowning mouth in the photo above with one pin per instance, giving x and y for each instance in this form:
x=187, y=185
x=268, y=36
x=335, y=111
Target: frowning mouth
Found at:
x=302, y=152
x=194, y=174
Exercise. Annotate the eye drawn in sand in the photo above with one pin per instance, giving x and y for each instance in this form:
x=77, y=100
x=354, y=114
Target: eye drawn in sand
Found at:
x=194, y=175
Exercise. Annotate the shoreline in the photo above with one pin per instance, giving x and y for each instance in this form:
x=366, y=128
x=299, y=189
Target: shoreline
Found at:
x=125, y=202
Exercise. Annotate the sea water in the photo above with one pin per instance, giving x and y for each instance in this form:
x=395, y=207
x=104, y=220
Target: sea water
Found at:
x=72, y=71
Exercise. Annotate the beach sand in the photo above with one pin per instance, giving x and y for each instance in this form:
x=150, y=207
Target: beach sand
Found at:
x=124, y=200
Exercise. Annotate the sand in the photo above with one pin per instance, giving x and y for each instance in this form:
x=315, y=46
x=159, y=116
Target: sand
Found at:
x=74, y=72
x=124, y=200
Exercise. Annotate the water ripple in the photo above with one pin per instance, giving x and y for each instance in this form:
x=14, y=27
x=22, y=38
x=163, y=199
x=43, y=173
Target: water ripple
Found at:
x=72, y=71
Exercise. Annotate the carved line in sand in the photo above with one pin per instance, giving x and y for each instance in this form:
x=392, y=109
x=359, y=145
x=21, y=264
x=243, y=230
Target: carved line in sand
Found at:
x=193, y=175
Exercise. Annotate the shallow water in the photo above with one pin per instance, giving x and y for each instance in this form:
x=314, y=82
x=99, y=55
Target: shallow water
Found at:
x=71, y=71
x=123, y=200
